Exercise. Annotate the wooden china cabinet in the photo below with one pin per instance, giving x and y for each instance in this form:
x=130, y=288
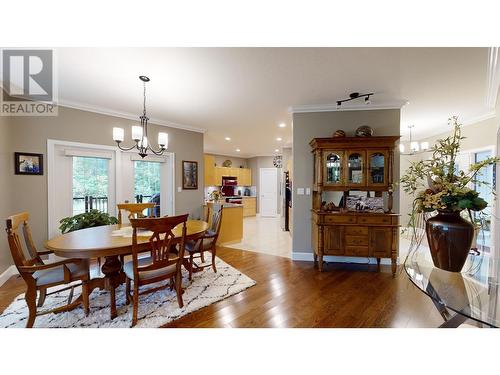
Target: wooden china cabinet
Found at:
x=346, y=166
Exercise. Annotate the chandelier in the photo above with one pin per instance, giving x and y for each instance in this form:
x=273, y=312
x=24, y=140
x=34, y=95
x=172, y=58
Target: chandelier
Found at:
x=415, y=147
x=140, y=133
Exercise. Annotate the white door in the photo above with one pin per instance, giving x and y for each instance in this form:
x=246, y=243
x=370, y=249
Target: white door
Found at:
x=159, y=178
x=80, y=177
x=268, y=192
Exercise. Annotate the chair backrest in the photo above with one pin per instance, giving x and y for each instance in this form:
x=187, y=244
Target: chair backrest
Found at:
x=135, y=210
x=161, y=241
x=15, y=244
x=215, y=219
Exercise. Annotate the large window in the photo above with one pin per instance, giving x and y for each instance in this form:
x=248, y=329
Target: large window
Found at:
x=147, y=183
x=90, y=184
x=483, y=187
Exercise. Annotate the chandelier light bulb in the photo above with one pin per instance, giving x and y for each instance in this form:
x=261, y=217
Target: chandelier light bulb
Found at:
x=401, y=148
x=118, y=134
x=414, y=146
x=424, y=146
x=136, y=133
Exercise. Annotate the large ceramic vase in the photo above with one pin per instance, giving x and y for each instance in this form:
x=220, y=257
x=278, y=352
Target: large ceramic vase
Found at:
x=450, y=239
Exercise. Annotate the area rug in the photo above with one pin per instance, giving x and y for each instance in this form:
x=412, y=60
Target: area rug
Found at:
x=155, y=309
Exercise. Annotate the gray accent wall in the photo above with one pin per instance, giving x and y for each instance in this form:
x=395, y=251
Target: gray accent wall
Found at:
x=6, y=172
x=30, y=134
x=307, y=126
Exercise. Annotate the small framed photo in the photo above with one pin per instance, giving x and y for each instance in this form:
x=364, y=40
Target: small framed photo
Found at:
x=189, y=175
x=28, y=164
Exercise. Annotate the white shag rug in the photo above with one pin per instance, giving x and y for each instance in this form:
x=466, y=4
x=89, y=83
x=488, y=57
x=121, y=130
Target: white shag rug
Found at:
x=155, y=309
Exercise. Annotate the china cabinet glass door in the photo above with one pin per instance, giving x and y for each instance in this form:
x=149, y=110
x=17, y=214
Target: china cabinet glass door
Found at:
x=355, y=173
x=333, y=167
x=377, y=168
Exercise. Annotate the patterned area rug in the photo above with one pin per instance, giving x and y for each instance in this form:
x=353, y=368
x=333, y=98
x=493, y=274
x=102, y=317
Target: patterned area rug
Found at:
x=155, y=309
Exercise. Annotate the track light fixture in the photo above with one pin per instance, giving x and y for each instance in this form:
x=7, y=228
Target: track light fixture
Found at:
x=353, y=96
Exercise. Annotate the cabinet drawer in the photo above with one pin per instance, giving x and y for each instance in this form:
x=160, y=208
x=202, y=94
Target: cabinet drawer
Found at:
x=356, y=240
x=374, y=220
x=358, y=251
x=333, y=219
x=356, y=231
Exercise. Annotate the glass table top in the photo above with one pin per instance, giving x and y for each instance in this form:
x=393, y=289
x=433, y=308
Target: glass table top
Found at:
x=473, y=293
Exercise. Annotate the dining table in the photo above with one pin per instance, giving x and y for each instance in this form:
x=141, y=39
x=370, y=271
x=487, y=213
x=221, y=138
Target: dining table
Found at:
x=113, y=242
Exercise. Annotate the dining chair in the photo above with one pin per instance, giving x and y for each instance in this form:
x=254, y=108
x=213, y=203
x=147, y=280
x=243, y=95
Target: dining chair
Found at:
x=135, y=210
x=162, y=264
x=206, y=242
x=40, y=276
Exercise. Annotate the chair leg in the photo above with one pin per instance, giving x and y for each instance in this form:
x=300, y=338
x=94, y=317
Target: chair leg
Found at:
x=41, y=299
x=214, y=250
x=191, y=265
x=99, y=264
x=127, y=291
x=171, y=283
x=85, y=298
x=178, y=288
x=202, y=256
x=135, y=301
x=30, y=297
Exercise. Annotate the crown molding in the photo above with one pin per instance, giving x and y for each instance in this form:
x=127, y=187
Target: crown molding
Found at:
x=128, y=116
x=396, y=104
x=465, y=122
x=493, y=77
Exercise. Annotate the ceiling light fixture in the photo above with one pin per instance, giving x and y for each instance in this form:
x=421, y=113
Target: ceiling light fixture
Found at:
x=279, y=139
x=238, y=150
x=282, y=125
x=227, y=138
x=353, y=96
x=140, y=133
x=415, y=147
x=277, y=150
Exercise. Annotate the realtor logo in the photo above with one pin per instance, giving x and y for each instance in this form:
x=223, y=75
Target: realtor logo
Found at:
x=28, y=83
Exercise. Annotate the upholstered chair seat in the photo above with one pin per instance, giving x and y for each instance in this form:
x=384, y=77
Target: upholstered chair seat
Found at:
x=128, y=268
x=56, y=275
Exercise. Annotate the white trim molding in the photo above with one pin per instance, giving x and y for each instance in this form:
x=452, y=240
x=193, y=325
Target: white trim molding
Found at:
x=308, y=257
x=493, y=77
x=128, y=116
x=7, y=274
x=396, y=104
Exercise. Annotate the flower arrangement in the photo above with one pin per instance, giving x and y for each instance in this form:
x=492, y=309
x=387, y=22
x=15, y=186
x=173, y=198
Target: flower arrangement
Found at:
x=438, y=184
x=215, y=195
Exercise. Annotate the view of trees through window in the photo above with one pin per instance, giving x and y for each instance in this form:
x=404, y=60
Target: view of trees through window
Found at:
x=90, y=179
x=147, y=183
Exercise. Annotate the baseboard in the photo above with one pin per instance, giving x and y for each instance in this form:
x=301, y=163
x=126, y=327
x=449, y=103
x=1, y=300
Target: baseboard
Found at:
x=6, y=275
x=308, y=257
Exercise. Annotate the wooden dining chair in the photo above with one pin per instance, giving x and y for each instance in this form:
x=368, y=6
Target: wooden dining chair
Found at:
x=206, y=242
x=135, y=210
x=162, y=264
x=40, y=276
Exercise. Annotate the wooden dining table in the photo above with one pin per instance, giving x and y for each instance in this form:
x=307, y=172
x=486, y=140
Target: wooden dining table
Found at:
x=111, y=242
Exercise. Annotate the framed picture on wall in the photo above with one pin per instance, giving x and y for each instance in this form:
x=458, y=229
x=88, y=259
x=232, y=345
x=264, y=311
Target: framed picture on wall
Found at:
x=28, y=164
x=189, y=175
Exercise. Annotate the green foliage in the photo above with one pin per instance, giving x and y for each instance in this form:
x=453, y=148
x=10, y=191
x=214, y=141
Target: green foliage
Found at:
x=93, y=218
x=437, y=184
x=90, y=177
x=147, y=178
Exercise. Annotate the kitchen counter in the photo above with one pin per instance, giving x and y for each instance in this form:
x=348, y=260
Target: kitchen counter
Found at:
x=232, y=222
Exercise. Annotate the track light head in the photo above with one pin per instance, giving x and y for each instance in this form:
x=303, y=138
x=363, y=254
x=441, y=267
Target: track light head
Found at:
x=367, y=100
x=339, y=104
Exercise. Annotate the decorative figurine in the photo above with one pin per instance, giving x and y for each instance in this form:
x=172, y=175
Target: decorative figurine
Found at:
x=339, y=133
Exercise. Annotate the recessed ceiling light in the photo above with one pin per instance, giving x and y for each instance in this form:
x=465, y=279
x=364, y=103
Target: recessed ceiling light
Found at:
x=277, y=150
x=227, y=138
x=279, y=139
x=238, y=150
x=282, y=125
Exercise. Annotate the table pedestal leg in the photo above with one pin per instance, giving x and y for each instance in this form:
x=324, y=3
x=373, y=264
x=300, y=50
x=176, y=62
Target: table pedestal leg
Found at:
x=114, y=277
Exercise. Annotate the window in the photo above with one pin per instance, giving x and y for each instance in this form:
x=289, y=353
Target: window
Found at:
x=147, y=183
x=90, y=184
x=483, y=187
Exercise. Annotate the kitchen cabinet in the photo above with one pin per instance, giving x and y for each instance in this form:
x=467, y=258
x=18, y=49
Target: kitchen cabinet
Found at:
x=243, y=175
x=249, y=206
x=209, y=168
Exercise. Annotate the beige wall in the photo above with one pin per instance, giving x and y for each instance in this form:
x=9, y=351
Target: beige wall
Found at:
x=307, y=126
x=237, y=162
x=30, y=134
x=6, y=172
x=477, y=136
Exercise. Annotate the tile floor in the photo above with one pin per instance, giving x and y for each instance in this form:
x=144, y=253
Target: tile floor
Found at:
x=264, y=235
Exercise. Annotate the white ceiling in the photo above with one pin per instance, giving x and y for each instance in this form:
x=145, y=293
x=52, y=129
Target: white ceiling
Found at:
x=244, y=93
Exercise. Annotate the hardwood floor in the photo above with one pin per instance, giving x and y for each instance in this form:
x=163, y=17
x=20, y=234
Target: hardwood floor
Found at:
x=293, y=294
